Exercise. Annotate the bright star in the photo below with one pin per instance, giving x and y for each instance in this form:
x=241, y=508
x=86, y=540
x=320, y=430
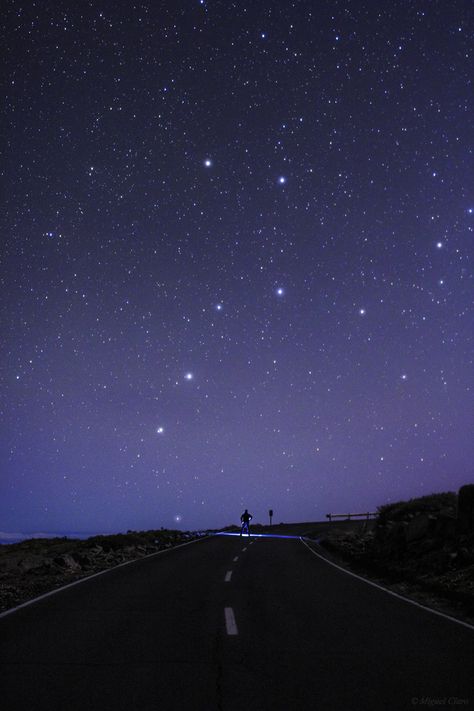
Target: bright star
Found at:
x=280, y=291
x=208, y=162
x=282, y=180
x=219, y=307
x=439, y=245
x=362, y=312
x=404, y=376
x=189, y=376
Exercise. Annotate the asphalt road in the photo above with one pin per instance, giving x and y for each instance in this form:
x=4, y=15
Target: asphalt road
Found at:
x=225, y=624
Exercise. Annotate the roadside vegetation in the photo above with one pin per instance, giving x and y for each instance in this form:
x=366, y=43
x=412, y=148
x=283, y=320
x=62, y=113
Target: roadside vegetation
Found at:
x=423, y=547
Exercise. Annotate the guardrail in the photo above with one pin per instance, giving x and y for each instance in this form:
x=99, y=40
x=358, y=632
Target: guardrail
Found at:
x=348, y=516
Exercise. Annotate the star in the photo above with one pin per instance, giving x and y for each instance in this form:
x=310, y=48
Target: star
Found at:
x=126, y=274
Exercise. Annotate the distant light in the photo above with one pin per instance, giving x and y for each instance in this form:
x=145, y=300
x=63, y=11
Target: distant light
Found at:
x=282, y=180
x=178, y=518
x=280, y=291
x=219, y=307
x=362, y=312
x=404, y=376
x=208, y=162
x=439, y=245
x=263, y=35
x=471, y=210
x=160, y=430
x=189, y=376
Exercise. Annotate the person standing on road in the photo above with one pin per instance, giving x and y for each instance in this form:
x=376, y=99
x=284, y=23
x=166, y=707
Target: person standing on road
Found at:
x=245, y=521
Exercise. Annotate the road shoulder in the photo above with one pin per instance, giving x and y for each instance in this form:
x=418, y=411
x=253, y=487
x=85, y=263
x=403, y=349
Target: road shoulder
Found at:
x=410, y=592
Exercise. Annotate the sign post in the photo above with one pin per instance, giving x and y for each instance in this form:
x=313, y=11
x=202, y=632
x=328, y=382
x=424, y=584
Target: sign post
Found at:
x=270, y=513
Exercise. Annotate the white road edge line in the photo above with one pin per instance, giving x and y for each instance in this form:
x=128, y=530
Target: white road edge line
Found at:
x=235, y=559
x=228, y=576
x=244, y=549
x=390, y=592
x=230, y=624
x=96, y=575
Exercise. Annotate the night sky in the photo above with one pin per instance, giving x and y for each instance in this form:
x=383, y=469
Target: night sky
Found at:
x=237, y=260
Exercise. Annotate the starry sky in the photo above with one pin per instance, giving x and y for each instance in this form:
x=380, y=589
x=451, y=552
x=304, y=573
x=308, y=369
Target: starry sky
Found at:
x=237, y=259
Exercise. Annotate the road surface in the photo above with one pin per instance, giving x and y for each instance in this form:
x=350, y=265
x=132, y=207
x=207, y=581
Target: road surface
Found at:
x=228, y=624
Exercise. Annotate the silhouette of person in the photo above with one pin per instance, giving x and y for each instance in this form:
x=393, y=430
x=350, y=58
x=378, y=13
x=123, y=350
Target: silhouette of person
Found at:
x=245, y=520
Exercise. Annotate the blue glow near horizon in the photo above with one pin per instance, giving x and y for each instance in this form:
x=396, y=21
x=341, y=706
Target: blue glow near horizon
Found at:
x=255, y=535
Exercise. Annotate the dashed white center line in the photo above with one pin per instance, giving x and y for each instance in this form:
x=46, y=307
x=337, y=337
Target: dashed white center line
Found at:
x=236, y=559
x=228, y=576
x=243, y=550
x=230, y=624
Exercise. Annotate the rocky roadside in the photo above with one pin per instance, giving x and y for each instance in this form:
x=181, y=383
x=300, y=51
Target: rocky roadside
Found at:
x=422, y=555
x=36, y=566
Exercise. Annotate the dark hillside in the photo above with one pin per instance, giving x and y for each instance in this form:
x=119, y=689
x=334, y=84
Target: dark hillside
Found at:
x=426, y=544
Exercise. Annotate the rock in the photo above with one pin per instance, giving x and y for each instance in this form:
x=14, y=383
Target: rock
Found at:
x=95, y=550
x=426, y=546
x=82, y=559
x=436, y=561
x=395, y=536
x=31, y=562
x=67, y=561
x=418, y=527
x=445, y=526
x=466, y=555
x=466, y=508
x=128, y=551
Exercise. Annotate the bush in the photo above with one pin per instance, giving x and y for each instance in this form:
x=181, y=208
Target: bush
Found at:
x=404, y=510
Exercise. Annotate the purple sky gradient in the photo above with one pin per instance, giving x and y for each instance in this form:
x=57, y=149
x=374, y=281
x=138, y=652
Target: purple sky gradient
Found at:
x=237, y=260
